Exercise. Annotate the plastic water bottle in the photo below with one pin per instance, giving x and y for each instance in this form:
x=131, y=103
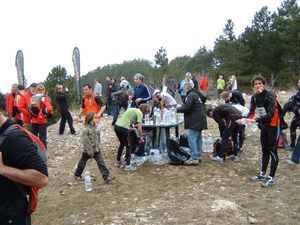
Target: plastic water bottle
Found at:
x=158, y=117
x=167, y=116
x=252, y=126
x=87, y=181
x=147, y=119
x=173, y=116
x=181, y=117
x=209, y=144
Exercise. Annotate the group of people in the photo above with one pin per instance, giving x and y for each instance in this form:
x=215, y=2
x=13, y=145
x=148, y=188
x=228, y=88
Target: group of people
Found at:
x=23, y=167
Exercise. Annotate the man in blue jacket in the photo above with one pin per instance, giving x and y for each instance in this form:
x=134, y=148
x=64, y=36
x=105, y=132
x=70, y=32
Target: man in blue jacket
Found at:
x=141, y=91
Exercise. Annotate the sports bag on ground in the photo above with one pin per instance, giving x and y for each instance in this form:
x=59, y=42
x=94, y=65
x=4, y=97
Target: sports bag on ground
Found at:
x=217, y=147
x=178, y=155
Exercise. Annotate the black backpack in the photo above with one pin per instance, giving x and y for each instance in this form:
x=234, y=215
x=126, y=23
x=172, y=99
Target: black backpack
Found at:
x=183, y=140
x=178, y=155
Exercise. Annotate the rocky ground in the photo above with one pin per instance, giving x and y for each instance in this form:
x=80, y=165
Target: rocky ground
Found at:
x=165, y=194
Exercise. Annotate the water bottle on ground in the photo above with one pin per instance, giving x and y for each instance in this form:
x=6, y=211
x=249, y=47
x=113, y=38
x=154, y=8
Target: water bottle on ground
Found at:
x=209, y=144
x=87, y=181
x=252, y=126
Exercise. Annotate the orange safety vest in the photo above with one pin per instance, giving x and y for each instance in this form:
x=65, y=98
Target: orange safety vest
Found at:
x=90, y=105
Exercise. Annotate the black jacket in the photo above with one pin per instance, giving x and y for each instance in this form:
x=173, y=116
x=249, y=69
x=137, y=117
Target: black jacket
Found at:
x=62, y=102
x=222, y=115
x=194, y=111
x=18, y=151
x=264, y=104
x=237, y=98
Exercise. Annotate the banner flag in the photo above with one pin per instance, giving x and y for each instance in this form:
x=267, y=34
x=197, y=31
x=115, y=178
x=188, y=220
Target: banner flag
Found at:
x=76, y=64
x=20, y=67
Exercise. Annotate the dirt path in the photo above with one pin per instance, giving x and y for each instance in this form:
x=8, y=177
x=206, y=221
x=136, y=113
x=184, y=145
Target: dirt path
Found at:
x=205, y=194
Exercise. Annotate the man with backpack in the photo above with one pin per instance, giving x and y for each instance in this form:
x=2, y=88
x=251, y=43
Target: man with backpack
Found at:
x=20, y=168
x=24, y=106
x=40, y=110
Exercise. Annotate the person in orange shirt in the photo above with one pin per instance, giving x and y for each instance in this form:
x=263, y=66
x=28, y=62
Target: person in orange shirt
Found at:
x=91, y=102
x=12, y=102
x=39, y=118
x=24, y=105
x=203, y=84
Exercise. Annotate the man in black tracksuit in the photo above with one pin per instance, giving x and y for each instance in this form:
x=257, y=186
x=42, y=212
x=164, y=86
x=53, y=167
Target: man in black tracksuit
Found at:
x=236, y=97
x=226, y=115
x=63, y=108
x=265, y=104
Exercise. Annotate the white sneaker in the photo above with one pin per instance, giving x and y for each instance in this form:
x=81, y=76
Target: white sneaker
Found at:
x=129, y=168
x=217, y=159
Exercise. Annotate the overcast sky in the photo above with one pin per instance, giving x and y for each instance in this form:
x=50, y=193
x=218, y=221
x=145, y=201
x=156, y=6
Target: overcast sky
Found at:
x=109, y=32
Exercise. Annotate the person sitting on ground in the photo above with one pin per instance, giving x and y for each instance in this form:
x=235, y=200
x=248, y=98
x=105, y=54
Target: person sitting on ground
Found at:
x=91, y=148
x=122, y=128
x=226, y=116
x=195, y=121
x=63, y=108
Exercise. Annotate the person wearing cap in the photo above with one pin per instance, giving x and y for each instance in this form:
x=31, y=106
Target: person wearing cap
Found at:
x=12, y=102
x=169, y=101
x=124, y=83
x=141, y=92
x=220, y=85
x=188, y=78
x=24, y=105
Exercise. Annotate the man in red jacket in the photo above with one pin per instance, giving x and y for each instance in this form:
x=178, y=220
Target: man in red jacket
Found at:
x=203, y=84
x=24, y=105
x=39, y=121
